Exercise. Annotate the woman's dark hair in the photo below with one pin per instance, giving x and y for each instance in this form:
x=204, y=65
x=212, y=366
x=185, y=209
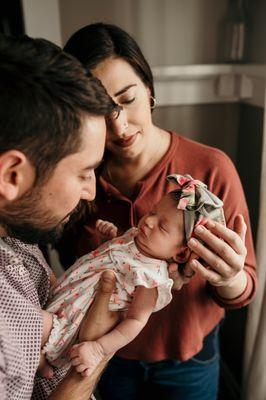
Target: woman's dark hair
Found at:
x=95, y=43
x=44, y=96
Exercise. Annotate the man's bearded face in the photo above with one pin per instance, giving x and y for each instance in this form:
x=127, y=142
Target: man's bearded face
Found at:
x=27, y=219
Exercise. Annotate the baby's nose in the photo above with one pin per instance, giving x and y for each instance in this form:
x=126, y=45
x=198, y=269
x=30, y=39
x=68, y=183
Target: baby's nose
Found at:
x=150, y=223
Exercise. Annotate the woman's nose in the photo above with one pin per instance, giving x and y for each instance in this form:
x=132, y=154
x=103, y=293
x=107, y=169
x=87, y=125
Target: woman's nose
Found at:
x=118, y=125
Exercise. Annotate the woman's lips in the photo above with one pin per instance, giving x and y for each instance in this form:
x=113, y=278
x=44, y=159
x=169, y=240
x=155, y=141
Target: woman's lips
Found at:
x=127, y=141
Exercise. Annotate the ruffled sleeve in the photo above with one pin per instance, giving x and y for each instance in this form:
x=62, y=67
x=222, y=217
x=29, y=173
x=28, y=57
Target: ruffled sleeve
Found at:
x=150, y=275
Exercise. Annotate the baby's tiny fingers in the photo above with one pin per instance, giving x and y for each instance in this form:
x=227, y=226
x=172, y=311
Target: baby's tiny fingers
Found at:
x=113, y=231
x=172, y=268
x=98, y=222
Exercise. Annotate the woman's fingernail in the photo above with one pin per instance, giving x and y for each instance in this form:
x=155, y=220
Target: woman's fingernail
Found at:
x=192, y=242
x=199, y=229
x=193, y=263
x=211, y=224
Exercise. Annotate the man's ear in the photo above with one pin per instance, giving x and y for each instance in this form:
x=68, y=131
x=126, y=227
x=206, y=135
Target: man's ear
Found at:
x=16, y=175
x=182, y=255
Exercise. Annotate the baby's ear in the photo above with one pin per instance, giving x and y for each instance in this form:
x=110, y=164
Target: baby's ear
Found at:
x=182, y=255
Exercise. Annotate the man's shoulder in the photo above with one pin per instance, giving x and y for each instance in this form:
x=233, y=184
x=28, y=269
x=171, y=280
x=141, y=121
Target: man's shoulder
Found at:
x=12, y=366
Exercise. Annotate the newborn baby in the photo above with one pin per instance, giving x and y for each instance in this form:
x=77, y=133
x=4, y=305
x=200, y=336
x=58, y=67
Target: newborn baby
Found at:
x=139, y=260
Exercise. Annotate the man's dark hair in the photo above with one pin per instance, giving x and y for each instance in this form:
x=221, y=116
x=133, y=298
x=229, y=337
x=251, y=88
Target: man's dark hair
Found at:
x=44, y=96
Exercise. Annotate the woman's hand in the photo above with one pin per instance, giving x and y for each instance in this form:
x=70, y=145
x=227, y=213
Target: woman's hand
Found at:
x=223, y=252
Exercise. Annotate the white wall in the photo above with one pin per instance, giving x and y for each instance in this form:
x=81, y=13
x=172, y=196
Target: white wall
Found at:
x=78, y=13
x=42, y=20
x=170, y=32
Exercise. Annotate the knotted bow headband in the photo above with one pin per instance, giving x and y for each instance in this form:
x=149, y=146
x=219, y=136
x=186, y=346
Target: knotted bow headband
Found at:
x=197, y=202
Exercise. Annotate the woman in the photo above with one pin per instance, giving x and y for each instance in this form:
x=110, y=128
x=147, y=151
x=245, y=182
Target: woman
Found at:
x=178, y=350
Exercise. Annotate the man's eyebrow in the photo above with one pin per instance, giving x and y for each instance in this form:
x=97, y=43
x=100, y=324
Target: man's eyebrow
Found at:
x=124, y=89
x=93, y=166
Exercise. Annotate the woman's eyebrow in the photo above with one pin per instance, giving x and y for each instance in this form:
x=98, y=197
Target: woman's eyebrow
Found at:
x=124, y=89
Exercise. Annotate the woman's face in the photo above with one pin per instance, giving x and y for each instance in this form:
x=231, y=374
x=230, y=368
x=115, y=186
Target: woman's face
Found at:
x=127, y=136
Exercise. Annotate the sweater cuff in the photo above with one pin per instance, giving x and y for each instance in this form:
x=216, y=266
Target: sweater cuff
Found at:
x=237, y=302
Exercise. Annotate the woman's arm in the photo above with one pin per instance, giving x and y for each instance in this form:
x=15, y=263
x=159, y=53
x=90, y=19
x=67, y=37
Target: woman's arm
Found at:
x=227, y=259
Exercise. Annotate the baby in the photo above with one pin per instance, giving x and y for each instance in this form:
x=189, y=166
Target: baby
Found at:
x=139, y=260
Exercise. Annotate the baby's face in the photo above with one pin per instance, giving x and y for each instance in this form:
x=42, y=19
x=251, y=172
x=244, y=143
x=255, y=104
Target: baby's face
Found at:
x=161, y=232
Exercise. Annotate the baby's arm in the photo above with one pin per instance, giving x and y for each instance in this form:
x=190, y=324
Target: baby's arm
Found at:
x=137, y=316
x=85, y=356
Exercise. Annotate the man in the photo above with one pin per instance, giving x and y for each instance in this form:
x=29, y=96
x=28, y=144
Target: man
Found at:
x=52, y=135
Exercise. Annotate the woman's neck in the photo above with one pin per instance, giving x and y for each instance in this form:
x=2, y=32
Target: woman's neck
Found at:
x=125, y=173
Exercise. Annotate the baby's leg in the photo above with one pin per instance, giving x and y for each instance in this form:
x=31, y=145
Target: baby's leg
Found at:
x=47, y=326
x=44, y=369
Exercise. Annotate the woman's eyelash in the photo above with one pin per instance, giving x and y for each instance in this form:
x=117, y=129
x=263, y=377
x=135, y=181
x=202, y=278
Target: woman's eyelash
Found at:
x=129, y=101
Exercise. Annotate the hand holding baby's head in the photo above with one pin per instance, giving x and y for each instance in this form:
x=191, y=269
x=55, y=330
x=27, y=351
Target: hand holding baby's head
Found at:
x=166, y=229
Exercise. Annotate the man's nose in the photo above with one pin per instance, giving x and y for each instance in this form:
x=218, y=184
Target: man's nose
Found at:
x=89, y=190
x=119, y=125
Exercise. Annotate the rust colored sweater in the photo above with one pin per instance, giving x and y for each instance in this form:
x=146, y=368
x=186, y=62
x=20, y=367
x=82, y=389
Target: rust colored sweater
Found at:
x=177, y=331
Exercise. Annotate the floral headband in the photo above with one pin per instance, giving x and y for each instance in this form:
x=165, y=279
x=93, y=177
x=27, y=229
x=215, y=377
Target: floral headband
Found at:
x=198, y=203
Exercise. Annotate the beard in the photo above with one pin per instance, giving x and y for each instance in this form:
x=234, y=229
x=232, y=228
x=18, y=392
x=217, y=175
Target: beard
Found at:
x=25, y=220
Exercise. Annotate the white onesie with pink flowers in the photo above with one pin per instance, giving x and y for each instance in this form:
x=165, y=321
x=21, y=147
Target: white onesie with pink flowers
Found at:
x=73, y=293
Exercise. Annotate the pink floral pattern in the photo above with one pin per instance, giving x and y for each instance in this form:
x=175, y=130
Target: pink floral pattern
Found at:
x=71, y=297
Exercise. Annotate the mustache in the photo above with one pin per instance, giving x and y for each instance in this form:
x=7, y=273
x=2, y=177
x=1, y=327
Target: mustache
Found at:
x=70, y=214
x=79, y=216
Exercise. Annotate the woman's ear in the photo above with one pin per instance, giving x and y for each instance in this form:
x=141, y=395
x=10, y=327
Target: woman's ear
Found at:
x=16, y=175
x=182, y=255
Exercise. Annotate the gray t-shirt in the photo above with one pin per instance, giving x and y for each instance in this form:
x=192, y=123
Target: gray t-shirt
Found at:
x=24, y=288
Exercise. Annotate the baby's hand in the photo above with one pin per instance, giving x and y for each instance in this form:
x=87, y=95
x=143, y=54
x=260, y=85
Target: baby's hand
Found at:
x=86, y=356
x=106, y=228
x=180, y=278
